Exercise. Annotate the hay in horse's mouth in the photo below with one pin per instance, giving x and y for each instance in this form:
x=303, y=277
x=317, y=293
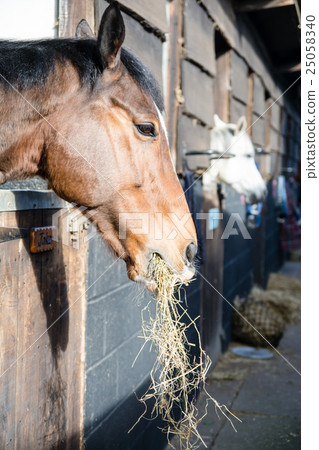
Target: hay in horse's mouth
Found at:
x=176, y=375
x=157, y=263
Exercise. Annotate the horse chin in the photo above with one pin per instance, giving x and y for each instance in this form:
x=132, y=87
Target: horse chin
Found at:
x=148, y=282
x=187, y=274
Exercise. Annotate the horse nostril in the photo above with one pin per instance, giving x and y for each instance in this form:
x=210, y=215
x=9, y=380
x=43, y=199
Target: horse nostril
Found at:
x=191, y=251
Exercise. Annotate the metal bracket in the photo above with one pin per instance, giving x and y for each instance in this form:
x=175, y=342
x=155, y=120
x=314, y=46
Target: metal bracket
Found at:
x=76, y=224
x=261, y=151
x=213, y=154
x=210, y=154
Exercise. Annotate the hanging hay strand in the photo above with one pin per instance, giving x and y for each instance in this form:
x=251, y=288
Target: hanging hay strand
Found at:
x=176, y=375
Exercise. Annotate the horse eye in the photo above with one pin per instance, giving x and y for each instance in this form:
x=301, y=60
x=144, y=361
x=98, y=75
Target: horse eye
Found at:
x=147, y=129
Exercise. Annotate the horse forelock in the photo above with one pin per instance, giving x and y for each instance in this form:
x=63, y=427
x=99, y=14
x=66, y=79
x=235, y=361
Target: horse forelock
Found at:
x=224, y=138
x=221, y=138
x=26, y=64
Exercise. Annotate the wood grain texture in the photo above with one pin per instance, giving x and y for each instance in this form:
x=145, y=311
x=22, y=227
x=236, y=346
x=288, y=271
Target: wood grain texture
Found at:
x=275, y=114
x=259, y=101
x=199, y=36
x=222, y=86
x=242, y=39
x=193, y=136
x=173, y=81
x=152, y=11
x=237, y=109
x=144, y=44
x=9, y=298
x=42, y=391
x=198, y=92
x=258, y=131
x=239, y=77
x=274, y=139
x=71, y=12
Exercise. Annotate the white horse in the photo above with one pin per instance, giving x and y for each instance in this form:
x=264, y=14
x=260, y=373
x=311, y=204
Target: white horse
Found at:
x=239, y=171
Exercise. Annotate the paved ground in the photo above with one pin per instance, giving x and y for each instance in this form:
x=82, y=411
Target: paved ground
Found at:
x=263, y=394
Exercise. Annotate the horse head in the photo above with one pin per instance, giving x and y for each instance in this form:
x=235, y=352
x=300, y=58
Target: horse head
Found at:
x=102, y=144
x=239, y=171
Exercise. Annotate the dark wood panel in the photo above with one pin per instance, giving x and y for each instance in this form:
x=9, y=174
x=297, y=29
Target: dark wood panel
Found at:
x=258, y=131
x=274, y=139
x=145, y=45
x=237, y=109
x=275, y=114
x=43, y=353
x=212, y=302
x=259, y=95
x=221, y=86
x=223, y=14
x=192, y=136
x=173, y=82
x=8, y=342
x=153, y=11
x=259, y=252
x=284, y=122
x=272, y=163
x=198, y=92
x=239, y=77
x=199, y=36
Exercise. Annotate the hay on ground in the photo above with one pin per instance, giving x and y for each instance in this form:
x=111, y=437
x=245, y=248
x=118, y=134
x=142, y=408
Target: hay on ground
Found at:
x=257, y=324
x=283, y=295
x=264, y=313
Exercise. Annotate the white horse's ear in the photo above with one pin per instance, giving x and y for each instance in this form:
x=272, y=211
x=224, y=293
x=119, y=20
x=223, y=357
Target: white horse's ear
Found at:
x=241, y=125
x=83, y=30
x=218, y=122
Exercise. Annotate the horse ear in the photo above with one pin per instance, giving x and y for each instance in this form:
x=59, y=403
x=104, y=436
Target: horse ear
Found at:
x=218, y=122
x=111, y=36
x=241, y=125
x=83, y=30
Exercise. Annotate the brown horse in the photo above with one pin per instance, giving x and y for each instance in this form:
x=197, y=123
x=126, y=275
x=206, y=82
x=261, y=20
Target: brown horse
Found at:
x=86, y=115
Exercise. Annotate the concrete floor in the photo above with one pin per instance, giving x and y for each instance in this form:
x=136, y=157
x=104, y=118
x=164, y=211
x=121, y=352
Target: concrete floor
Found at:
x=263, y=394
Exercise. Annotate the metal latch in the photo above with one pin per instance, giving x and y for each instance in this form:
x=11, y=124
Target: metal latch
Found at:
x=41, y=239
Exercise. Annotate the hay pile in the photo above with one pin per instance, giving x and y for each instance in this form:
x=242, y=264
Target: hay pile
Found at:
x=283, y=295
x=257, y=324
x=264, y=314
x=176, y=375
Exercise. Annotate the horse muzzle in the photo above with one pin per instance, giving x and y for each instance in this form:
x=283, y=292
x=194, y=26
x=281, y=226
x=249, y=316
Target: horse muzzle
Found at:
x=183, y=276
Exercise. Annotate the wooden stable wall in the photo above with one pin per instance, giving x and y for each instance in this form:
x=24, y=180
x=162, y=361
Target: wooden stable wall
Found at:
x=42, y=353
x=222, y=70
x=57, y=394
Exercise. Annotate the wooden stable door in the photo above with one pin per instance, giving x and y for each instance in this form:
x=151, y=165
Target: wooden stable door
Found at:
x=42, y=332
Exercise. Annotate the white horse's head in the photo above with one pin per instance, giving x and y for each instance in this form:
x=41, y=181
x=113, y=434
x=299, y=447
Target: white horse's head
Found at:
x=239, y=171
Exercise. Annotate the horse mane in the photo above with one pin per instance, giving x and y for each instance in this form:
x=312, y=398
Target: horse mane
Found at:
x=26, y=64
